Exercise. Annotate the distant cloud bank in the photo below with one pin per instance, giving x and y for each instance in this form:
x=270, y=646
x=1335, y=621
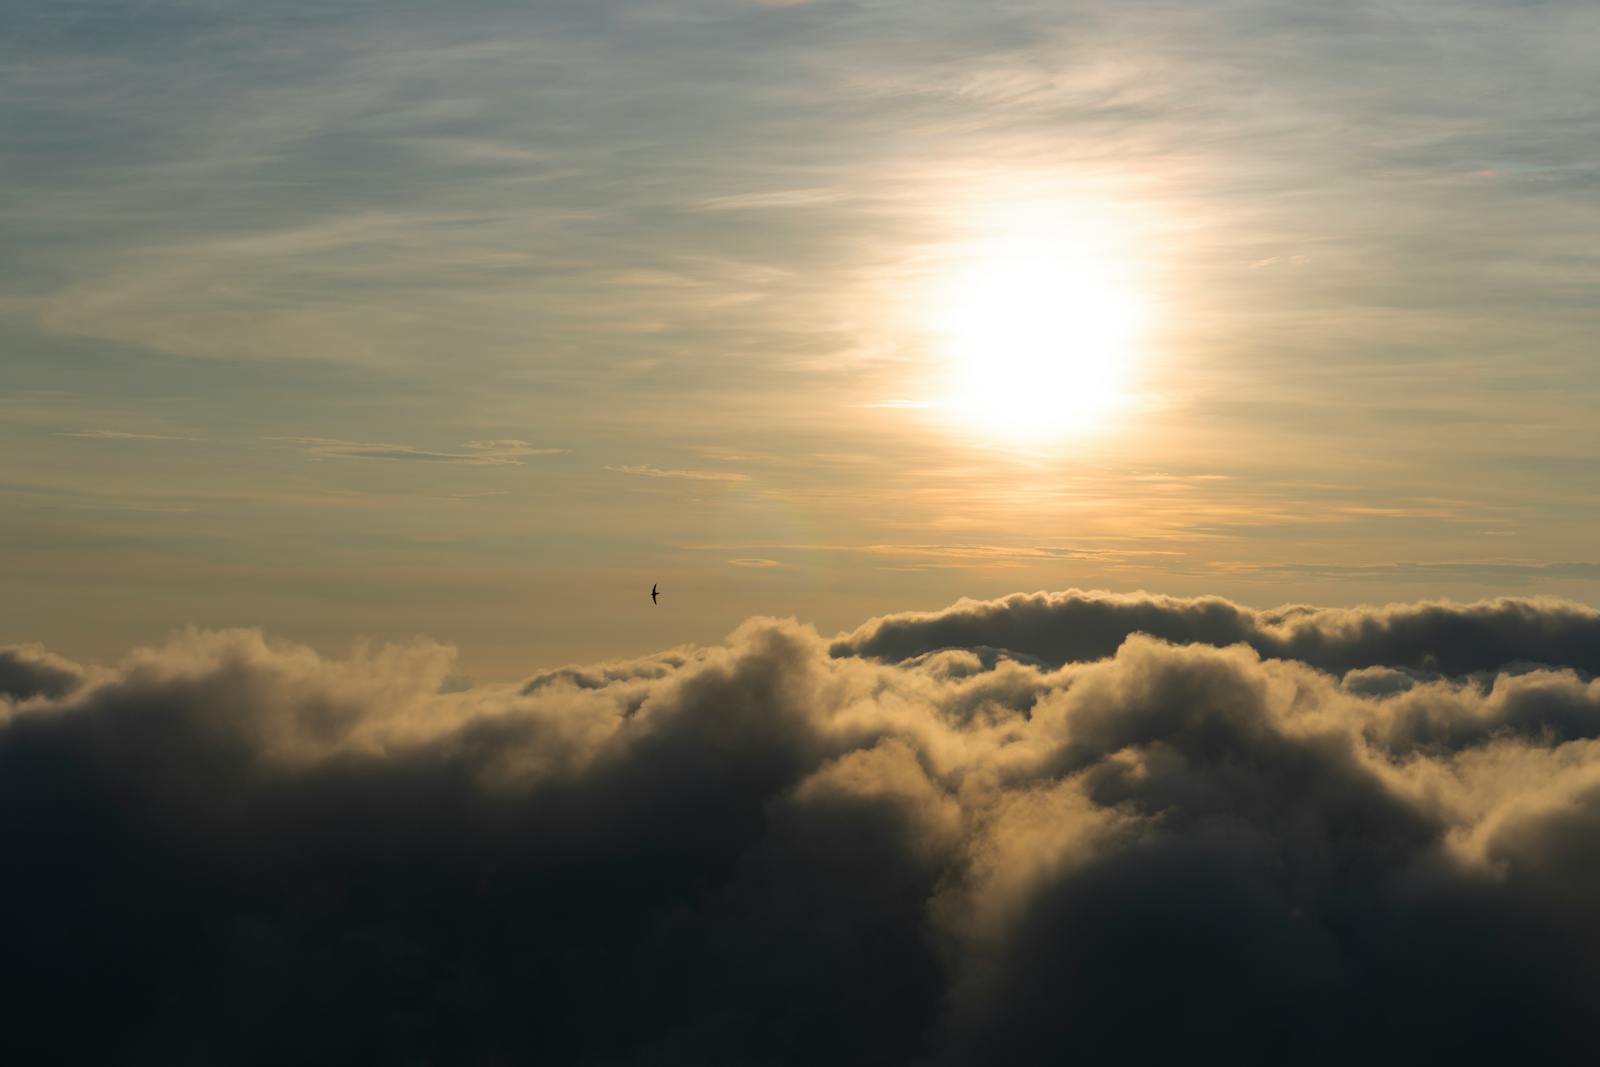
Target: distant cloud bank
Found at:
x=1058, y=628
x=1053, y=825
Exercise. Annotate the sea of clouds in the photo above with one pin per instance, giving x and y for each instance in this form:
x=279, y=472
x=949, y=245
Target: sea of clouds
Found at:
x=1053, y=826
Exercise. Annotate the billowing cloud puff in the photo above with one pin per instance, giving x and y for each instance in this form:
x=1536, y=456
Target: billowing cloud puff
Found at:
x=31, y=670
x=775, y=850
x=1063, y=627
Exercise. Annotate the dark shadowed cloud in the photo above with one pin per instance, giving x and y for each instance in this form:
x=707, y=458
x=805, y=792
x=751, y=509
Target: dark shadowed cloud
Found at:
x=1058, y=628
x=780, y=851
x=30, y=670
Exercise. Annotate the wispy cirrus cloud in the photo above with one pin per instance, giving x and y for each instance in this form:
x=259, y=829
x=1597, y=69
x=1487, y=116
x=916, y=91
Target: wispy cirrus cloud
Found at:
x=1488, y=571
x=693, y=475
x=124, y=435
x=479, y=453
x=958, y=555
x=779, y=198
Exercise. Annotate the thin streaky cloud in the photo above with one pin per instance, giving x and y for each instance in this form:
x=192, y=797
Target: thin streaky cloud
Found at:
x=646, y=471
x=480, y=453
x=1491, y=570
x=123, y=435
x=782, y=198
x=962, y=554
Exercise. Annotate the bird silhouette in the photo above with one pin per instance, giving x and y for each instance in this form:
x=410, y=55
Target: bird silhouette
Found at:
x=653, y=594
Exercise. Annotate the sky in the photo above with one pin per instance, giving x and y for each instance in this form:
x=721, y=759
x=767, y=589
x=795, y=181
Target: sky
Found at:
x=394, y=320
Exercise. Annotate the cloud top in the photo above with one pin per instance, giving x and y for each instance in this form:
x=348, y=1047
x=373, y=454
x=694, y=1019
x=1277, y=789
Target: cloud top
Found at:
x=1057, y=628
x=784, y=850
x=31, y=670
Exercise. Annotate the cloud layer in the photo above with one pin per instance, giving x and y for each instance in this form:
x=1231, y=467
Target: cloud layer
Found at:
x=1305, y=836
x=1059, y=628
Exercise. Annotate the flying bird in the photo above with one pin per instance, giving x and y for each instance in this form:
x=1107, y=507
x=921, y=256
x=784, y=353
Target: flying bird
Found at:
x=653, y=594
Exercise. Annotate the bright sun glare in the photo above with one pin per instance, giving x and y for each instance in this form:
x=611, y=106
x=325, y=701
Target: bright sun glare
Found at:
x=1040, y=331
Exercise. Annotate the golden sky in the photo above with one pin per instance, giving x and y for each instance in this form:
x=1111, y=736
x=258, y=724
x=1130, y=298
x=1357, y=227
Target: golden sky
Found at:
x=382, y=320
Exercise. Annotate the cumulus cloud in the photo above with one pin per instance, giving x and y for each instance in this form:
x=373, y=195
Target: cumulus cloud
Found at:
x=904, y=845
x=31, y=670
x=1062, y=627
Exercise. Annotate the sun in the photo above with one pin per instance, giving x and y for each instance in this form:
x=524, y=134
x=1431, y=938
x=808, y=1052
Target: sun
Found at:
x=1039, y=333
